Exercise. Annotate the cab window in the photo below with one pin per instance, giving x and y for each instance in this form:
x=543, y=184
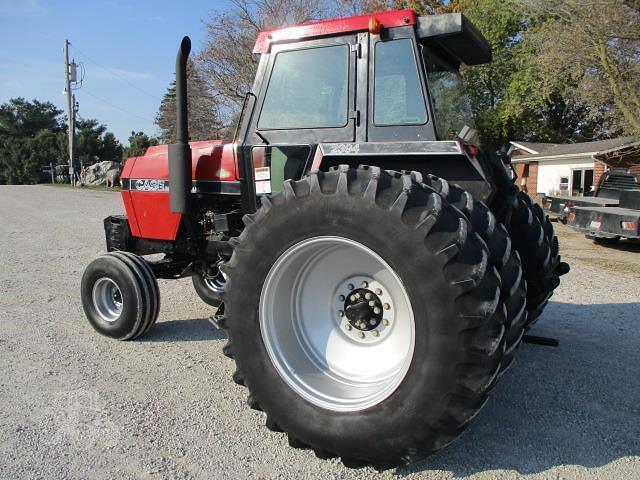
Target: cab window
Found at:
x=398, y=96
x=452, y=107
x=307, y=89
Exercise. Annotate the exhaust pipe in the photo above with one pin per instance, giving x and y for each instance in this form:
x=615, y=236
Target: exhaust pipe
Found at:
x=180, y=152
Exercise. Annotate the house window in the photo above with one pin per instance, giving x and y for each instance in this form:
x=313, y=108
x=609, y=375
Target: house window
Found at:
x=581, y=181
x=564, y=184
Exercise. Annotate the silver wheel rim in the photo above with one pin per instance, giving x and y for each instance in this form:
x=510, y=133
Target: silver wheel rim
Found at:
x=217, y=283
x=326, y=357
x=107, y=299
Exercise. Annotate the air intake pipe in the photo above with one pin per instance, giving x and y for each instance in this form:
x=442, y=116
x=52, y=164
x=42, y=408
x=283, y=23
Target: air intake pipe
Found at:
x=180, y=152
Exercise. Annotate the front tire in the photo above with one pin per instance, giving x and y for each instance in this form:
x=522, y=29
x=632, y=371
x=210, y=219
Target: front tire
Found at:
x=210, y=289
x=290, y=279
x=120, y=295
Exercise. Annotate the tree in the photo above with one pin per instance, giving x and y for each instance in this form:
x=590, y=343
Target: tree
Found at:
x=590, y=51
x=227, y=62
x=20, y=118
x=138, y=144
x=31, y=136
x=110, y=149
x=204, y=121
x=88, y=139
x=94, y=143
x=423, y=7
x=506, y=97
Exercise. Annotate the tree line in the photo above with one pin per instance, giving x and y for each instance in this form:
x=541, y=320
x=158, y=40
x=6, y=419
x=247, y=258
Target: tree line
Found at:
x=33, y=134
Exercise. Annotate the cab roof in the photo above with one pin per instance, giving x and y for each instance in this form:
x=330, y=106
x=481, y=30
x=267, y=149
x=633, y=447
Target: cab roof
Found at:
x=331, y=27
x=451, y=34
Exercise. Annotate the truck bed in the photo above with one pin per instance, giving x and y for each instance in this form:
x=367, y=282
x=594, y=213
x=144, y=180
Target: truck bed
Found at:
x=559, y=206
x=606, y=222
x=595, y=201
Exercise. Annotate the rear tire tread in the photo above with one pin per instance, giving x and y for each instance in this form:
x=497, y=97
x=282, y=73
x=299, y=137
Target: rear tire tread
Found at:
x=478, y=284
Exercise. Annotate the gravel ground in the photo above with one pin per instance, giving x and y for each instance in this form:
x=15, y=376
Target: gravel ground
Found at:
x=78, y=405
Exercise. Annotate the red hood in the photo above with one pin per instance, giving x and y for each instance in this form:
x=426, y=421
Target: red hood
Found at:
x=210, y=160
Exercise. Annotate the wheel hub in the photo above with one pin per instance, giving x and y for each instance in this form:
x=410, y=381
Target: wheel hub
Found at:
x=107, y=299
x=365, y=313
x=363, y=309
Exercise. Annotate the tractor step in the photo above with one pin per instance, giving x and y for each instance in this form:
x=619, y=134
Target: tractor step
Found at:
x=544, y=341
x=218, y=320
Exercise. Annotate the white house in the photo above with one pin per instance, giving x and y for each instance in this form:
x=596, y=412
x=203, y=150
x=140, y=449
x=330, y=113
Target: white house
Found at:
x=571, y=169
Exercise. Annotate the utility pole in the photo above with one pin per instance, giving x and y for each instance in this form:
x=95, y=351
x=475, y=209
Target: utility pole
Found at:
x=70, y=108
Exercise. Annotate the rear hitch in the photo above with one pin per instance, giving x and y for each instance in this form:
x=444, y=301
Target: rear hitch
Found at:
x=544, y=341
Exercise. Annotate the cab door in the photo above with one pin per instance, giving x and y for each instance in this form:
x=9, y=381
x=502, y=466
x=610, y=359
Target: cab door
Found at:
x=307, y=97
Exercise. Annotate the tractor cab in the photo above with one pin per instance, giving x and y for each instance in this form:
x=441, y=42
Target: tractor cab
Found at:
x=371, y=85
x=359, y=79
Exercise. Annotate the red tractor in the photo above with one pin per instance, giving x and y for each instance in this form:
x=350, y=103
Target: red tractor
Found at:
x=374, y=277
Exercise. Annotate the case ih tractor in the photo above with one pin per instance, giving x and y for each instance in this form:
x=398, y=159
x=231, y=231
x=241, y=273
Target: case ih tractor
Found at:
x=374, y=278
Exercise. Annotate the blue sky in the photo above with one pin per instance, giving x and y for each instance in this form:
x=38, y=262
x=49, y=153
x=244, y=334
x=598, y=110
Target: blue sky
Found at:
x=128, y=50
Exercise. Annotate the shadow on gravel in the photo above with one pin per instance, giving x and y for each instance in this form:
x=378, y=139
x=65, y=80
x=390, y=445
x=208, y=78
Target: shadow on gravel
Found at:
x=625, y=245
x=572, y=405
x=191, y=330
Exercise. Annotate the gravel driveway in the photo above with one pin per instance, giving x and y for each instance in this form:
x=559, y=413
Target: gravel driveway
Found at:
x=78, y=405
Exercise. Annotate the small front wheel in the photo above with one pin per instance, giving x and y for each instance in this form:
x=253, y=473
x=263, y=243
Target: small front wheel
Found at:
x=210, y=288
x=120, y=295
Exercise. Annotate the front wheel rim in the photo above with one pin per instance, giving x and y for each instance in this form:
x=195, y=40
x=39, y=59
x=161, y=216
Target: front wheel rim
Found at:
x=337, y=323
x=107, y=299
x=217, y=283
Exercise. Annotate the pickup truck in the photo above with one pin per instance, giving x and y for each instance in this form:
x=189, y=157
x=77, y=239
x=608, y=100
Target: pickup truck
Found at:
x=611, y=186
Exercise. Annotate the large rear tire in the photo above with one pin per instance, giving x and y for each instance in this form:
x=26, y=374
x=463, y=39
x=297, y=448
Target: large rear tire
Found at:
x=305, y=343
x=513, y=286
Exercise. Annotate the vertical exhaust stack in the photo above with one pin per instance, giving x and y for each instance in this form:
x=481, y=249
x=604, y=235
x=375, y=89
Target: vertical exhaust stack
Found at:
x=180, y=152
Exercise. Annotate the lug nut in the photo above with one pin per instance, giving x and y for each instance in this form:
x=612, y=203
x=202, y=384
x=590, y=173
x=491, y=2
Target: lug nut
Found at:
x=350, y=286
x=348, y=326
x=386, y=322
x=376, y=310
x=341, y=298
x=378, y=291
x=367, y=296
x=372, y=322
x=387, y=306
x=341, y=313
x=352, y=298
x=361, y=334
x=365, y=284
x=376, y=333
x=371, y=303
x=358, y=295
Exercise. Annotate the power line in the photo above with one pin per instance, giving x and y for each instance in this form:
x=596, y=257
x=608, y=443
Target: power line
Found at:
x=116, y=74
x=113, y=105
